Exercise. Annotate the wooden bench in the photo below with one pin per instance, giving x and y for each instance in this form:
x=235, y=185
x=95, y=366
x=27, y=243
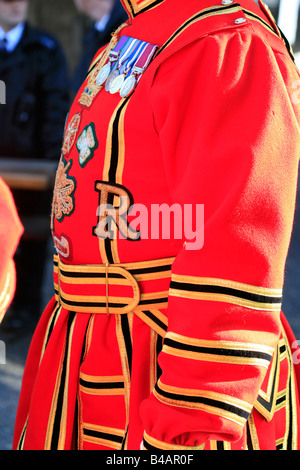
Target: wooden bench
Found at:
x=30, y=175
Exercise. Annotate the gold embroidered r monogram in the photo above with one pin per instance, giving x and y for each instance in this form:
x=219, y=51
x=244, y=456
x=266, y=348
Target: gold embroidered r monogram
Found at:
x=112, y=216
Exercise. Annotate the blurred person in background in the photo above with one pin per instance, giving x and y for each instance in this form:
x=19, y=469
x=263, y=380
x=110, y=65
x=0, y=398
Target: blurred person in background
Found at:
x=34, y=70
x=10, y=232
x=107, y=15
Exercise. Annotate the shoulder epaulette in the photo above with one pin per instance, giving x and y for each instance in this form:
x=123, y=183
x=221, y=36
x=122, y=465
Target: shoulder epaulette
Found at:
x=47, y=41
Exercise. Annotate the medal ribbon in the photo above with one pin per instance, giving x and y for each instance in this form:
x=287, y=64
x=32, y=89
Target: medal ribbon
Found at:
x=132, y=59
x=128, y=47
x=144, y=59
x=120, y=44
x=138, y=69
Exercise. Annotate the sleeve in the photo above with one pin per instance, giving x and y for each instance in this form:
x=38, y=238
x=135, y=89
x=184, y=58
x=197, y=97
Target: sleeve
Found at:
x=230, y=142
x=10, y=233
x=54, y=99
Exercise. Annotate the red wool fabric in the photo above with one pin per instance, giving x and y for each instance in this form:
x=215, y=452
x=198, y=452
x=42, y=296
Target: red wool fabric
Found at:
x=212, y=121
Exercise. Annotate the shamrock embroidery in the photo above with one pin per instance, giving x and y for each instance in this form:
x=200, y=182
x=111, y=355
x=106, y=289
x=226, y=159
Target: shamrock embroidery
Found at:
x=87, y=144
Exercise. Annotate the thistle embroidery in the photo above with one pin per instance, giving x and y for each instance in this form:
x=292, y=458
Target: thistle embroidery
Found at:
x=70, y=134
x=65, y=185
x=87, y=144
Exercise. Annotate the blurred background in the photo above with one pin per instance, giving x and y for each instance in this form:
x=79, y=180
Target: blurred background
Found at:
x=67, y=23
x=69, y=26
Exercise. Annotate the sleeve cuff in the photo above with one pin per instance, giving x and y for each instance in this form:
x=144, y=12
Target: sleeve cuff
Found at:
x=151, y=444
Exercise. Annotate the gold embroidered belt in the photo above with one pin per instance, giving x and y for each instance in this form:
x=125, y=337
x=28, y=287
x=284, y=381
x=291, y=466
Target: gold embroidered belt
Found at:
x=112, y=289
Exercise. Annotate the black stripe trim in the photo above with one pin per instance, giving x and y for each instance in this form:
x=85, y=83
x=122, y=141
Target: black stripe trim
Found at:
x=58, y=411
x=253, y=15
x=192, y=19
x=73, y=303
x=153, y=269
x=280, y=400
x=52, y=323
x=150, y=446
x=102, y=435
x=76, y=303
x=220, y=445
x=287, y=44
x=22, y=438
x=149, y=7
x=225, y=291
x=127, y=339
x=282, y=349
x=268, y=404
x=90, y=275
x=291, y=408
x=101, y=385
x=136, y=271
x=158, y=322
x=218, y=351
x=249, y=437
x=205, y=401
x=159, y=346
x=153, y=301
x=114, y=159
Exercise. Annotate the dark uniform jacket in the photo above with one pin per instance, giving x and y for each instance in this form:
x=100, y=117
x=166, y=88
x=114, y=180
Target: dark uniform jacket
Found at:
x=37, y=97
x=95, y=39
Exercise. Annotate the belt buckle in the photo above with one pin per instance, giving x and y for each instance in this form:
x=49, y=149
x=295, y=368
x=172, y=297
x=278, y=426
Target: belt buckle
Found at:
x=108, y=272
x=129, y=277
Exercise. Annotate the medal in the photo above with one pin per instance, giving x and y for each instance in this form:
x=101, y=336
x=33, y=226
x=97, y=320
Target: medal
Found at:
x=91, y=89
x=111, y=77
x=130, y=82
x=137, y=70
x=117, y=82
x=103, y=74
x=126, y=47
x=128, y=86
x=112, y=57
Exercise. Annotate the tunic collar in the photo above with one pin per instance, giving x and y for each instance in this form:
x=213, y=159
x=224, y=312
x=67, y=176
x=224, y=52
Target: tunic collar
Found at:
x=134, y=7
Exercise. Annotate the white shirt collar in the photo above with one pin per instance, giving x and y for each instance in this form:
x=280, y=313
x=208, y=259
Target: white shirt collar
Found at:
x=13, y=36
x=100, y=25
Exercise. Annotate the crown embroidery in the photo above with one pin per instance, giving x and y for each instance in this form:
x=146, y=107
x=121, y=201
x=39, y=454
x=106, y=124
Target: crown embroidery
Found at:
x=91, y=89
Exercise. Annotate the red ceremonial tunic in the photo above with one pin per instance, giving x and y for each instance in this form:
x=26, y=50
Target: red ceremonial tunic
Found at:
x=168, y=338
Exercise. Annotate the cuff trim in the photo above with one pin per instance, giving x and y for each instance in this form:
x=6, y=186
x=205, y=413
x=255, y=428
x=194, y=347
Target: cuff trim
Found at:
x=149, y=443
